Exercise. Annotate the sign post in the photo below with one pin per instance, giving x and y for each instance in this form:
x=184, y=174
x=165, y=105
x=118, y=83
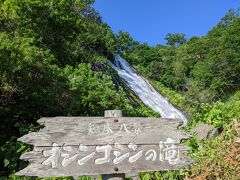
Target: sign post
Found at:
x=111, y=146
x=116, y=114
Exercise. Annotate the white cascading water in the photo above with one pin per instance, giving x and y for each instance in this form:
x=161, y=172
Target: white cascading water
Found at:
x=145, y=91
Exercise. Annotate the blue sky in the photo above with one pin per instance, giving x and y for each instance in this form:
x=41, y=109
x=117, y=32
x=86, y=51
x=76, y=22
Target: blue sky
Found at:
x=150, y=20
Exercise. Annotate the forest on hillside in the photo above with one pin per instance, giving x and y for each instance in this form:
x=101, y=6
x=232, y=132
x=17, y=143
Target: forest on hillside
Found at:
x=53, y=62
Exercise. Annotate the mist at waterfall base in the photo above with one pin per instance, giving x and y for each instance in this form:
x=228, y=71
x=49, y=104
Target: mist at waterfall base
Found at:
x=145, y=91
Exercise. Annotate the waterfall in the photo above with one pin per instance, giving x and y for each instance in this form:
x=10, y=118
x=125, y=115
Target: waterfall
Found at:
x=145, y=91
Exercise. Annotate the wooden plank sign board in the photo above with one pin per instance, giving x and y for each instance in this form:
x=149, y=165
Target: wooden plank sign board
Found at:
x=75, y=146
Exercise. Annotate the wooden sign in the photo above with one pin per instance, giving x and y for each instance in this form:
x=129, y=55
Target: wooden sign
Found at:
x=75, y=146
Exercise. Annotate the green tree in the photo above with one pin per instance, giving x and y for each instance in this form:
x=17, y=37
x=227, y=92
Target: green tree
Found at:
x=124, y=41
x=229, y=17
x=175, y=39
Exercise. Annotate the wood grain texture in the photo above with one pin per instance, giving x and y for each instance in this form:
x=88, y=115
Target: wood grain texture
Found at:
x=69, y=134
x=36, y=168
x=74, y=130
x=113, y=113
